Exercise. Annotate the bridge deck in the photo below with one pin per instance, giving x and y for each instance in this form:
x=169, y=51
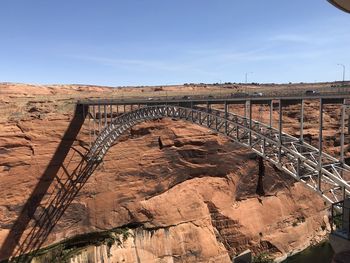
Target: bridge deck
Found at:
x=327, y=99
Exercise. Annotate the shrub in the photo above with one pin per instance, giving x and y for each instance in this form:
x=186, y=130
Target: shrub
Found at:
x=262, y=258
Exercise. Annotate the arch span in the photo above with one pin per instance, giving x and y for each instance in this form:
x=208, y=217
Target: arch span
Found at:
x=287, y=153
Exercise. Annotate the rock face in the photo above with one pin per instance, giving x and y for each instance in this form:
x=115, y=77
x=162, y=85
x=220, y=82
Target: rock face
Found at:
x=192, y=200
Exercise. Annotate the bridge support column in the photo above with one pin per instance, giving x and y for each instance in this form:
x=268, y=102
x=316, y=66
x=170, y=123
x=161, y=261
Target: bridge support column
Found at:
x=111, y=112
x=342, y=131
x=208, y=109
x=99, y=117
x=89, y=126
x=105, y=113
x=320, y=145
x=192, y=111
x=250, y=122
x=271, y=111
x=280, y=131
x=301, y=137
x=342, y=139
x=93, y=123
x=226, y=117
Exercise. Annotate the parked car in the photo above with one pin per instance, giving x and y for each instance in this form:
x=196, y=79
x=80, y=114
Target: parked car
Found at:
x=257, y=94
x=311, y=92
x=186, y=97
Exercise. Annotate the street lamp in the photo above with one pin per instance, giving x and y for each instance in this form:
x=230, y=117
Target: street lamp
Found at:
x=343, y=71
x=246, y=76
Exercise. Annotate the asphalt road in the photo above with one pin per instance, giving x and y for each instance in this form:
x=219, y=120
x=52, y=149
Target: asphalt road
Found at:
x=326, y=98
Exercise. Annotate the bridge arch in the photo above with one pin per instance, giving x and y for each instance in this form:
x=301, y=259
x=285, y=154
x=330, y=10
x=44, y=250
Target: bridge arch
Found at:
x=287, y=153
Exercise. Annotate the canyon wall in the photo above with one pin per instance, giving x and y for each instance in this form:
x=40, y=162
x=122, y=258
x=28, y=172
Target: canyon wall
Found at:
x=192, y=200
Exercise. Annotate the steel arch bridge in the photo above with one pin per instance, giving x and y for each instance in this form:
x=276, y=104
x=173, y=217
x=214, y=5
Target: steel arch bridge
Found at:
x=321, y=172
x=107, y=120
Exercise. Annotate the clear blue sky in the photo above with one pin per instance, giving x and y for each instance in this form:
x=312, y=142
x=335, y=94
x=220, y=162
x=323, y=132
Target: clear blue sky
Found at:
x=146, y=42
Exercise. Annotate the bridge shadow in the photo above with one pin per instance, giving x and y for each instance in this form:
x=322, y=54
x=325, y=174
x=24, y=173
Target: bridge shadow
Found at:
x=41, y=218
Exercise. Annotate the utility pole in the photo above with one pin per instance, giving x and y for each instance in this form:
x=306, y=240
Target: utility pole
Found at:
x=343, y=71
x=246, y=76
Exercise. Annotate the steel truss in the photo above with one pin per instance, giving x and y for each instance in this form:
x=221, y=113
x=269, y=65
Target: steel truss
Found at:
x=319, y=171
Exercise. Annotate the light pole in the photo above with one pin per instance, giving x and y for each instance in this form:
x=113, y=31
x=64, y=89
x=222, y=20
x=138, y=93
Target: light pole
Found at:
x=343, y=71
x=246, y=76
